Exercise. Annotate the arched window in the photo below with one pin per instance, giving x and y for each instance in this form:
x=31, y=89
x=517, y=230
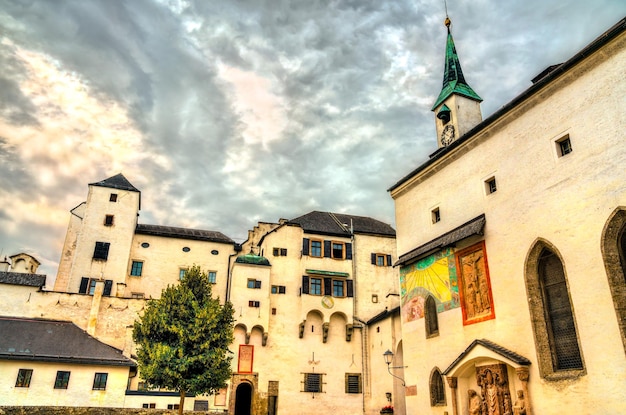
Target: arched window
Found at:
x=614, y=254
x=437, y=390
x=430, y=314
x=552, y=314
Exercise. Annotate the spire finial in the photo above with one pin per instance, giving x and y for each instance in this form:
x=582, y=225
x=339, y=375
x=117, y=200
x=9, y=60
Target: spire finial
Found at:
x=447, y=22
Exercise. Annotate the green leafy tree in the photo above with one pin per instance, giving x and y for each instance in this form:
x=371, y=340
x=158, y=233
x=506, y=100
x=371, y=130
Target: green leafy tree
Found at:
x=183, y=338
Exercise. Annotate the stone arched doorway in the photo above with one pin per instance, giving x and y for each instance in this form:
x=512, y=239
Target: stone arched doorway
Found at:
x=243, y=399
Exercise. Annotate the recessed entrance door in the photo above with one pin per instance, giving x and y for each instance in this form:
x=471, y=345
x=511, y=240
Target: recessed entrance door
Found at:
x=243, y=399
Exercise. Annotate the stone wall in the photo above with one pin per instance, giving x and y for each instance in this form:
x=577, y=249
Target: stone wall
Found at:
x=64, y=410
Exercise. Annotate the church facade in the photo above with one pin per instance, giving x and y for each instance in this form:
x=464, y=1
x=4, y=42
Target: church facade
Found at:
x=512, y=246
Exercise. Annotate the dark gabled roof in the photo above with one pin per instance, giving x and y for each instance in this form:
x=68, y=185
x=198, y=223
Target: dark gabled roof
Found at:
x=488, y=344
x=183, y=233
x=43, y=340
x=385, y=314
x=116, y=182
x=469, y=228
x=19, y=278
x=605, y=38
x=338, y=224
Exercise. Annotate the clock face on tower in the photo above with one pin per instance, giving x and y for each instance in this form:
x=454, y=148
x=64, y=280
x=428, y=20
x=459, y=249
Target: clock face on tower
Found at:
x=447, y=135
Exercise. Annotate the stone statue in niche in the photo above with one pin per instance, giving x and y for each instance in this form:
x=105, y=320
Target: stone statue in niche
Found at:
x=474, y=403
x=520, y=404
x=494, y=384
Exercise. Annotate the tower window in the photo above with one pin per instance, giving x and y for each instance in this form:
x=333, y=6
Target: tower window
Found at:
x=564, y=146
x=108, y=220
x=490, y=185
x=113, y=197
x=101, y=251
x=435, y=215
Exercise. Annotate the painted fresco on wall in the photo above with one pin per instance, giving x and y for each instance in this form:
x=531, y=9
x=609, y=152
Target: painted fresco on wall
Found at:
x=433, y=275
x=475, y=286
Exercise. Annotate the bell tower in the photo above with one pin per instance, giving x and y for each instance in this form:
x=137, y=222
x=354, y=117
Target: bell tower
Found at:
x=457, y=108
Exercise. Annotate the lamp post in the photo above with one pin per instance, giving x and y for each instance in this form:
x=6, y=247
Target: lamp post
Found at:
x=388, y=355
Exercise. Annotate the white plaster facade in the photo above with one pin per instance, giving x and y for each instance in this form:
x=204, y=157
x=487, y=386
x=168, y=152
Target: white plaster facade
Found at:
x=563, y=201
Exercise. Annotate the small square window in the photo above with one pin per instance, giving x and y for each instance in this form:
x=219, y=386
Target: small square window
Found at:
x=108, y=220
x=212, y=277
x=353, y=383
x=490, y=185
x=316, y=248
x=312, y=382
x=338, y=290
x=436, y=216
x=100, y=381
x=338, y=250
x=254, y=283
x=136, y=268
x=62, y=380
x=564, y=146
x=23, y=378
x=113, y=197
x=316, y=286
x=273, y=311
x=374, y=298
x=101, y=251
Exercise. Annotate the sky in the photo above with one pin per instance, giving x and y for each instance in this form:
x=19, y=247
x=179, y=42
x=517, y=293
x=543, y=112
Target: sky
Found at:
x=227, y=113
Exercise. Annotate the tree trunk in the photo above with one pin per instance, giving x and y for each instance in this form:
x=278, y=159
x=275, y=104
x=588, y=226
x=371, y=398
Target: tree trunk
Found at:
x=181, y=405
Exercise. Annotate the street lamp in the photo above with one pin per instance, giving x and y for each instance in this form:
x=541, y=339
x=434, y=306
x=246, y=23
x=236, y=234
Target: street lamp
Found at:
x=388, y=355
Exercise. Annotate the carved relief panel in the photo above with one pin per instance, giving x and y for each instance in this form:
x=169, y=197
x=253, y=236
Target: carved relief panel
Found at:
x=475, y=286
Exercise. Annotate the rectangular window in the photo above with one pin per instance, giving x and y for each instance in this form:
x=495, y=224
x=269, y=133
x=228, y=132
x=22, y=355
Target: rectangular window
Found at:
x=108, y=220
x=149, y=405
x=181, y=273
x=278, y=289
x=312, y=382
x=100, y=381
x=173, y=406
x=212, y=277
x=338, y=250
x=113, y=197
x=316, y=248
x=381, y=260
x=255, y=304
x=92, y=286
x=136, y=268
x=564, y=146
x=23, y=378
x=101, y=251
x=62, y=379
x=279, y=251
x=353, y=383
x=436, y=216
x=254, y=283
x=490, y=185
x=316, y=286
x=338, y=290
x=137, y=295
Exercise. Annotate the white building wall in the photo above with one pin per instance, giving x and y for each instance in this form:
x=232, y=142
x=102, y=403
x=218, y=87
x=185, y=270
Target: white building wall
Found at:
x=565, y=200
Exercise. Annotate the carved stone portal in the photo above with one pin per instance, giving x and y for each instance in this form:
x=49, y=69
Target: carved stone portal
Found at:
x=493, y=381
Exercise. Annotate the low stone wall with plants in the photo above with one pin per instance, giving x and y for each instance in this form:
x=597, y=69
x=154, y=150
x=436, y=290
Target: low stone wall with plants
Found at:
x=61, y=410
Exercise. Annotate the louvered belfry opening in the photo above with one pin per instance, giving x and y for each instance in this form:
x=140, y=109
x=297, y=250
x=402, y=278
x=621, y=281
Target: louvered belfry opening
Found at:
x=558, y=310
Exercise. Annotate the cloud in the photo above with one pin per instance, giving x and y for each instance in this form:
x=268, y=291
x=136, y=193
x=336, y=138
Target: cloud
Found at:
x=226, y=113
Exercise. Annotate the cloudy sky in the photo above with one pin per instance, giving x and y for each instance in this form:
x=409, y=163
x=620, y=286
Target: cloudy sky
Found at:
x=225, y=113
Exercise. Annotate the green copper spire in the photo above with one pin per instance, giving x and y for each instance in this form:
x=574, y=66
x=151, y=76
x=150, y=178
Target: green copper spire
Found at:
x=453, y=79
